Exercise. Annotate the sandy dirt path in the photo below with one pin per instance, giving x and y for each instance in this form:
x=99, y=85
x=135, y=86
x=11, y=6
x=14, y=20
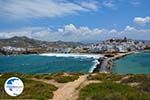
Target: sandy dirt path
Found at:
x=68, y=91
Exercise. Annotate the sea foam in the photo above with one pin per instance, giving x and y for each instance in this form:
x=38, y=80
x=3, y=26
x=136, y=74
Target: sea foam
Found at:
x=96, y=62
x=95, y=56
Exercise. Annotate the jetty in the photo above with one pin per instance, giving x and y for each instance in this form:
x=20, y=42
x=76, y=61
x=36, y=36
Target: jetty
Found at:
x=106, y=63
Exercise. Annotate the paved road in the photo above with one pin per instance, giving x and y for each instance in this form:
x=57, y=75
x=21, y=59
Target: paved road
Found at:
x=104, y=65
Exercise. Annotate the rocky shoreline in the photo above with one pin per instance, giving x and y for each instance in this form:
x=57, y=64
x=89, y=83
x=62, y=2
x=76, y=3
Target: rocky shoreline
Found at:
x=106, y=63
x=98, y=66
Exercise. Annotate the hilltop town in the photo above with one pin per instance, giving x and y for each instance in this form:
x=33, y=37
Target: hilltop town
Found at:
x=24, y=45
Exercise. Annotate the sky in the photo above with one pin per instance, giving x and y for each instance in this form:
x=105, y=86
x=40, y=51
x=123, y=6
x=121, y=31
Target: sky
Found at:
x=75, y=20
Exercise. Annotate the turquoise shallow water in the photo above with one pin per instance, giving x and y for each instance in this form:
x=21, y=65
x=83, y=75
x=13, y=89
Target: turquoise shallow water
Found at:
x=136, y=63
x=44, y=64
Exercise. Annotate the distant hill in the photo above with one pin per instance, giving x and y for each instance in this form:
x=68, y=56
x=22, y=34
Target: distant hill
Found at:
x=28, y=42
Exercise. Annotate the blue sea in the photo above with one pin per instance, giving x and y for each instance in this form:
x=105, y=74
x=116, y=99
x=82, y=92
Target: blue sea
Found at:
x=138, y=63
x=45, y=64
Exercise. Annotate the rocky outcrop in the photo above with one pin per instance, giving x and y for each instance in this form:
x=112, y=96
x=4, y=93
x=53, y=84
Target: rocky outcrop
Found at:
x=98, y=66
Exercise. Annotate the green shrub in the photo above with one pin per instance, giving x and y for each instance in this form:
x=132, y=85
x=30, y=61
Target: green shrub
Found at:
x=105, y=77
x=75, y=73
x=111, y=91
x=144, y=87
x=137, y=78
x=59, y=77
x=65, y=79
x=56, y=74
x=43, y=76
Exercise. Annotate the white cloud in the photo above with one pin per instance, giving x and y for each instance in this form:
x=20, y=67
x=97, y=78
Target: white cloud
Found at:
x=70, y=28
x=113, y=31
x=142, y=21
x=135, y=3
x=90, y=5
x=19, y=9
x=16, y=33
x=82, y=34
x=129, y=28
x=109, y=3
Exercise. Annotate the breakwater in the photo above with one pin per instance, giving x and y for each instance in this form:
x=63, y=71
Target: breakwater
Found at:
x=105, y=63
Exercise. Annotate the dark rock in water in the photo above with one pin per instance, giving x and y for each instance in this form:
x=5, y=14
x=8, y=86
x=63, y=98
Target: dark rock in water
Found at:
x=109, y=65
x=97, y=69
x=98, y=66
